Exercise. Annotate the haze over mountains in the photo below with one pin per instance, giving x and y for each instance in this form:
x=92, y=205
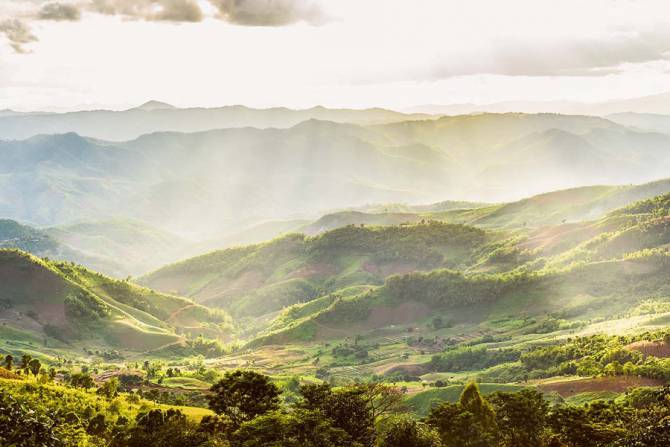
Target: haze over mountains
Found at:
x=167, y=195
x=228, y=176
x=659, y=103
x=156, y=116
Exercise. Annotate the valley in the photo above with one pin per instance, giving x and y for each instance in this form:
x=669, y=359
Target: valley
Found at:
x=564, y=293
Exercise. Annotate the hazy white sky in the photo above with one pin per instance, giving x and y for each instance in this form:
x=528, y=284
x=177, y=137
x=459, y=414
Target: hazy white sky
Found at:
x=299, y=53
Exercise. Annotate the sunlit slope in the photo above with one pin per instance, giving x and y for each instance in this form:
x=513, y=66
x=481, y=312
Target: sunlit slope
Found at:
x=563, y=206
x=259, y=279
x=623, y=260
x=76, y=306
x=415, y=298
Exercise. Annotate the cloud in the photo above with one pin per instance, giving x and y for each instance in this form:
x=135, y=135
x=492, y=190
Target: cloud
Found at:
x=18, y=34
x=577, y=56
x=59, y=11
x=269, y=12
x=240, y=12
x=168, y=10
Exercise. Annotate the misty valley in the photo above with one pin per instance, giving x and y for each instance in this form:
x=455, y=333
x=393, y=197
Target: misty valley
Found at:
x=334, y=223
x=151, y=287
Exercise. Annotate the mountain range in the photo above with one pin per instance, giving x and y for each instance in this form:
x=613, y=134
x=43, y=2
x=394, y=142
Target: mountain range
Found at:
x=207, y=185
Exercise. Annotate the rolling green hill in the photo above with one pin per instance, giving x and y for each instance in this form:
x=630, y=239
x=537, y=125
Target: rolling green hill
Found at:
x=70, y=306
x=573, y=205
x=604, y=267
x=260, y=279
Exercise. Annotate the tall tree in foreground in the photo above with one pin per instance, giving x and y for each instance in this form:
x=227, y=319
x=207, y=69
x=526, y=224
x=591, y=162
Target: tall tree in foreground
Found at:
x=349, y=409
x=406, y=432
x=468, y=423
x=521, y=417
x=243, y=395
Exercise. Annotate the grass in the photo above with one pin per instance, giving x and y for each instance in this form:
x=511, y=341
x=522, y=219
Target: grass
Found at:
x=187, y=383
x=584, y=398
x=421, y=403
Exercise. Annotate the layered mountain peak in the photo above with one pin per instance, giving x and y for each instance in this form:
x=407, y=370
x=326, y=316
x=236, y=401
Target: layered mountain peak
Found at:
x=152, y=105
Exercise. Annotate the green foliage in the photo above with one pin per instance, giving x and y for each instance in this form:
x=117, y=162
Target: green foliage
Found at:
x=348, y=409
x=595, y=355
x=521, y=417
x=82, y=380
x=406, y=432
x=85, y=308
x=300, y=428
x=468, y=423
x=243, y=395
x=471, y=358
x=658, y=206
x=168, y=428
x=33, y=414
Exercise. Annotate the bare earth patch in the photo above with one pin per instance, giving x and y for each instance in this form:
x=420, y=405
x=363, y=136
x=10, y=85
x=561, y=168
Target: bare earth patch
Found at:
x=616, y=384
x=658, y=349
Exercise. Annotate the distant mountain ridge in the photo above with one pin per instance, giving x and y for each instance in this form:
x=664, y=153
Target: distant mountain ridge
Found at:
x=659, y=103
x=156, y=116
x=214, y=185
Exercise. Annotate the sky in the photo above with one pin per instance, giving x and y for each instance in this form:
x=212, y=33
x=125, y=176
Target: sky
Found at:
x=83, y=54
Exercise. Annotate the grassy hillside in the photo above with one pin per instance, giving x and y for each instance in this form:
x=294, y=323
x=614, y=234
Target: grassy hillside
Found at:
x=260, y=279
x=616, y=262
x=571, y=205
x=68, y=306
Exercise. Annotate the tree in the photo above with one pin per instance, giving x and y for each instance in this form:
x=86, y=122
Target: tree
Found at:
x=109, y=388
x=406, y=432
x=301, y=428
x=21, y=426
x=348, y=409
x=521, y=417
x=166, y=429
x=243, y=395
x=34, y=366
x=25, y=361
x=81, y=380
x=9, y=362
x=471, y=400
x=575, y=428
x=468, y=423
x=383, y=400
